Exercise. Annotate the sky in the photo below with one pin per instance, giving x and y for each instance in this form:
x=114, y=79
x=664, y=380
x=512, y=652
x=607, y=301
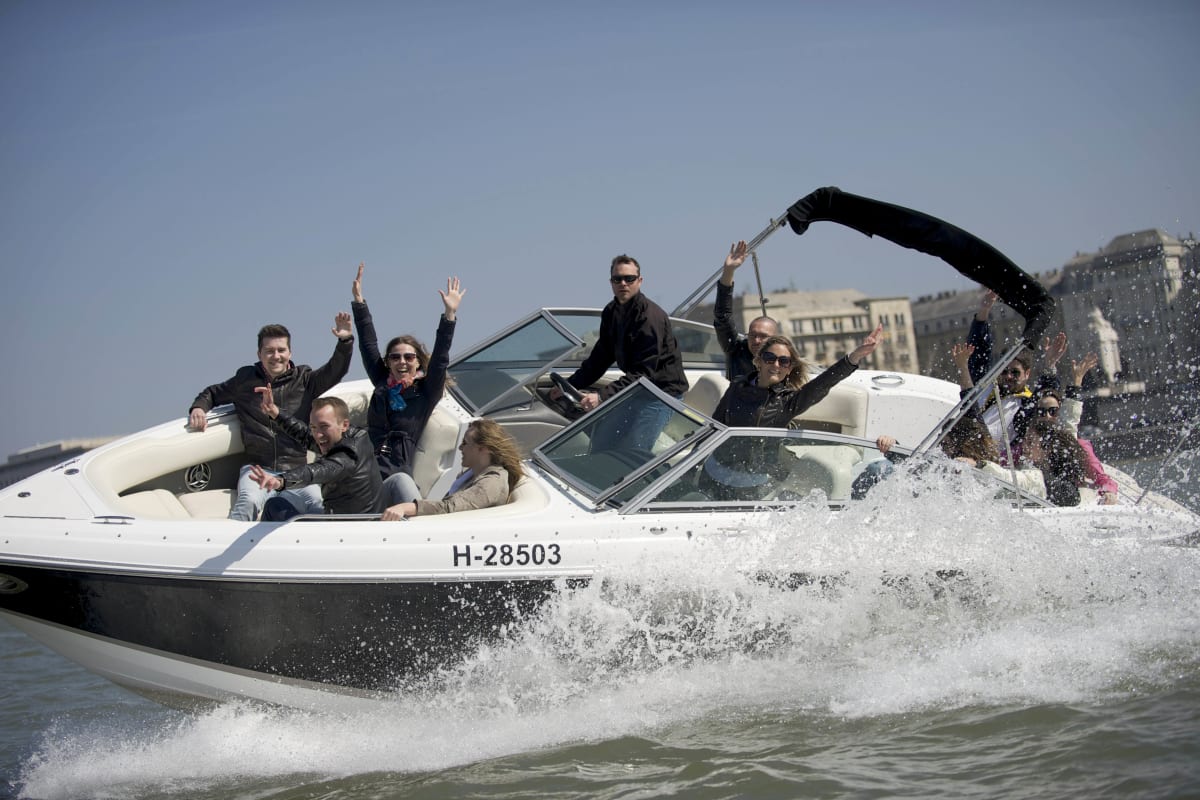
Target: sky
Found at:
x=174, y=175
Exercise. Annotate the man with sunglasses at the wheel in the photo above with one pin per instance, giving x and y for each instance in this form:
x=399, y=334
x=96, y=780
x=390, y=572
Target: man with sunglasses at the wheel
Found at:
x=636, y=334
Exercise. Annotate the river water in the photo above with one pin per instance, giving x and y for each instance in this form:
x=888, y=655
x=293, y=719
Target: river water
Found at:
x=1054, y=665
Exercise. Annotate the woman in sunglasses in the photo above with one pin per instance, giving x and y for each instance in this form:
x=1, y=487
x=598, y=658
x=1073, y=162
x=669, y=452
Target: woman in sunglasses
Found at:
x=779, y=388
x=769, y=397
x=409, y=382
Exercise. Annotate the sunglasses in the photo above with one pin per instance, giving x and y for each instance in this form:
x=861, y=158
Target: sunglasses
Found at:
x=771, y=358
x=616, y=279
x=1048, y=411
x=398, y=356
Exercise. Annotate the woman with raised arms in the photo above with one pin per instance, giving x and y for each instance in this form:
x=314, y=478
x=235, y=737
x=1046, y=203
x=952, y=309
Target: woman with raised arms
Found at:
x=409, y=382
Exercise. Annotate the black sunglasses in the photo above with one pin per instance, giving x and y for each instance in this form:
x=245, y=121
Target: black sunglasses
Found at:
x=1048, y=411
x=405, y=356
x=771, y=358
x=615, y=279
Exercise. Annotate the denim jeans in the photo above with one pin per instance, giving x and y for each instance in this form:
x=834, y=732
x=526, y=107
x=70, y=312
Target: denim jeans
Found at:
x=291, y=503
x=251, y=497
x=636, y=425
x=399, y=487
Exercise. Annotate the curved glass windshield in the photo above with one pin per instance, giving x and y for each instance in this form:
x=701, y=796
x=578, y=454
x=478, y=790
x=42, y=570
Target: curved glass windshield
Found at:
x=501, y=366
x=620, y=440
x=698, y=343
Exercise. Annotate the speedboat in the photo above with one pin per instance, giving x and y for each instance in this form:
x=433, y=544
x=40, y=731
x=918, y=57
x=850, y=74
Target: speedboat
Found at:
x=123, y=559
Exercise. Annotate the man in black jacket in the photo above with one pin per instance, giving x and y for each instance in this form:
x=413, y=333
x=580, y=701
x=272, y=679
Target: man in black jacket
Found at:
x=345, y=470
x=294, y=387
x=739, y=350
x=635, y=333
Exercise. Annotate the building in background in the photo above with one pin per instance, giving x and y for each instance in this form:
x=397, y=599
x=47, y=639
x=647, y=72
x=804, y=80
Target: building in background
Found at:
x=827, y=325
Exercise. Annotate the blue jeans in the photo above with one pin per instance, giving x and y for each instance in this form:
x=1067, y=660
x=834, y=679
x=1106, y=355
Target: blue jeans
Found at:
x=251, y=497
x=636, y=426
x=399, y=487
x=291, y=503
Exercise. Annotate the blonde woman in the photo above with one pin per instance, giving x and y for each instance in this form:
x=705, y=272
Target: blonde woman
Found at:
x=491, y=469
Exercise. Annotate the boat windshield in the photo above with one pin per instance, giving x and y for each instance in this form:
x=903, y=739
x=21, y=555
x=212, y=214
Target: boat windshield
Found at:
x=698, y=344
x=489, y=373
x=494, y=372
x=696, y=464
x=597, y=456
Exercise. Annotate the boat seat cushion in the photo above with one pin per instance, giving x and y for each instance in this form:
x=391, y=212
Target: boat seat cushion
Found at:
x=211, y=504
x=705, y=392
x=525, y=497
x=154, y=504
x=436, y=450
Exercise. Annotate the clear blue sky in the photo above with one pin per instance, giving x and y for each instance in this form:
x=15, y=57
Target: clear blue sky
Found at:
x=176, y=174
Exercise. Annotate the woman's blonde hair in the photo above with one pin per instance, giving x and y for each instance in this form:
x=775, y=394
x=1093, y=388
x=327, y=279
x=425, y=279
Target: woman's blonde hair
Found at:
x=799, y=373
x=491, y=436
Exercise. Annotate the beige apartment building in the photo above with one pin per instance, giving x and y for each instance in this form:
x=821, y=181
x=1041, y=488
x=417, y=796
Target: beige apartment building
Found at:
x=827, y=325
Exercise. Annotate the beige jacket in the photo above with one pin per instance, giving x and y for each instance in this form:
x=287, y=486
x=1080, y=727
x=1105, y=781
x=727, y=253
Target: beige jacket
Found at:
x=488, y=488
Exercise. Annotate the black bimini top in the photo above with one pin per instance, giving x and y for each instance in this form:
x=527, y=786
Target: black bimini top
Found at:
x=967, y=253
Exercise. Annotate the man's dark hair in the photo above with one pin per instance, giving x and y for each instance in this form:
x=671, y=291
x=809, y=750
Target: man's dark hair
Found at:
x=1025, y=359
x=274, y=331
x=624, y=259
x=340, y=410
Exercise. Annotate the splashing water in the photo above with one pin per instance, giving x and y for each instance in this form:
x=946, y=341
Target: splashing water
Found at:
x=928, y=595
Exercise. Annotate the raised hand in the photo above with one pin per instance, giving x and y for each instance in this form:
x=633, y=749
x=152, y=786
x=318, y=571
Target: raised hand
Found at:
x=356, y=288
x=961, y=354
x=868, y=345
x=266, y=401
x=452, y=297
x=737, y=255
x=985, y=305
x=1082, y=368
x=341, y=325
x=1054, y=349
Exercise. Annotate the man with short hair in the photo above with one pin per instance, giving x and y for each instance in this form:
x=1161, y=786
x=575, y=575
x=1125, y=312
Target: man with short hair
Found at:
x=294, y=386
x=635, y=333
x=345, y=471
x=739, y=350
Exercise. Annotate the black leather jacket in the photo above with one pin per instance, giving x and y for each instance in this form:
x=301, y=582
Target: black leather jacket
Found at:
x=636, y=335
x=739, y=361
x=747, y=405
x=294, y=392
x=349, y=479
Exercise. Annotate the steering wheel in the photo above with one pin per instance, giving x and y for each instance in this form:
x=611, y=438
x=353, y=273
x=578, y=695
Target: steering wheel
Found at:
x=570, y=393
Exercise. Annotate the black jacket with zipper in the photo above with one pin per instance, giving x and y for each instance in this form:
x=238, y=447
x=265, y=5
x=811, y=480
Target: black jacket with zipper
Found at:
x=294, y=392
x=349, y=479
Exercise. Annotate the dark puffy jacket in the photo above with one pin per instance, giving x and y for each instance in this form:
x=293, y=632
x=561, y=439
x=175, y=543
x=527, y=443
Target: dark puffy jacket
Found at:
x=637, y=336
x=394, y=434
x=349, y=479
x=294, y=392
x=739, y=361
x=745, y=404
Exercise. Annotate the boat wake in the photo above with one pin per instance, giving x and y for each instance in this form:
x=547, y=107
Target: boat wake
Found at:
x=927, y=596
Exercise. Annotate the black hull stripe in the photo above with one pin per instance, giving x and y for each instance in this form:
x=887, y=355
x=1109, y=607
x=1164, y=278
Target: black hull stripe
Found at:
x=372, y=636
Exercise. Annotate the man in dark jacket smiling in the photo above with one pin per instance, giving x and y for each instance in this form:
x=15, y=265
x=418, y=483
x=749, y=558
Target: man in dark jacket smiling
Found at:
x=635, y=333
x=345, y=471
x=294, y=388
